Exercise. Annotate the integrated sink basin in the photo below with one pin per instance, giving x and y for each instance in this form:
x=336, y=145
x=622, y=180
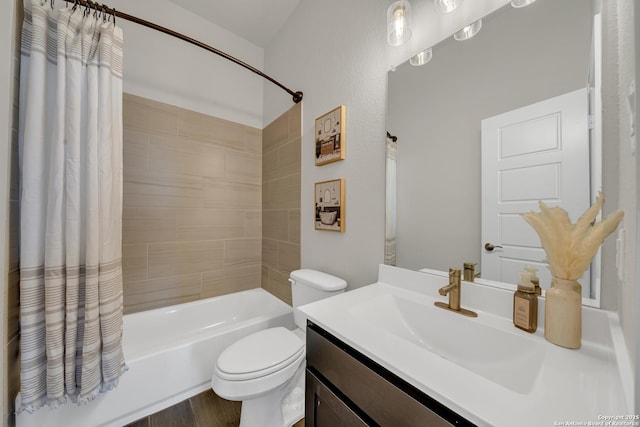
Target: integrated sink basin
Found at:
x=482, y=368
x=506, y=357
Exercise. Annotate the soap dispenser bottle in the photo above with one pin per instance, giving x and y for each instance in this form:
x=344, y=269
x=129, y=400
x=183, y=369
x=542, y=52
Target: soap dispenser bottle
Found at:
x=534, y=279
x=525, y=304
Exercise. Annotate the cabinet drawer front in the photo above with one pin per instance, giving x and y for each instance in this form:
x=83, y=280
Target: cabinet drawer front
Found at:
x=324, y=408
x=384, y=397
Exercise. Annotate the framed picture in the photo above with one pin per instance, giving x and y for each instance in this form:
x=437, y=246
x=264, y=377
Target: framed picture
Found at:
x=330, y=136
x=329, y=205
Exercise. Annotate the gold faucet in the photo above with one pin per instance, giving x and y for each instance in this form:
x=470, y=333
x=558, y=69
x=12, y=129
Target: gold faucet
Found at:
x=453, y=290
x=470, y=274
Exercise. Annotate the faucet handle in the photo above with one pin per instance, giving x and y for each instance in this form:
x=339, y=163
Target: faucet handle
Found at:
x=470, y=271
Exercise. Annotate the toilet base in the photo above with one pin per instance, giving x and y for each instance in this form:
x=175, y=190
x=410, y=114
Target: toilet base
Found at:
x=281, y=407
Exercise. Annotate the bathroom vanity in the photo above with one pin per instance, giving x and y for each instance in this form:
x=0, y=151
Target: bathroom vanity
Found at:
x=385, y=354
x=344, y=387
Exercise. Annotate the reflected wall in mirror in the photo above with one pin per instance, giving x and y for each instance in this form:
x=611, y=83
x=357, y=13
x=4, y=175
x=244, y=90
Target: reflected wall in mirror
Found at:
x=521, y=57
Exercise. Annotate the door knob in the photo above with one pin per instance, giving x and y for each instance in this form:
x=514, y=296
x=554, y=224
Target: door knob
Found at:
x=490, y=246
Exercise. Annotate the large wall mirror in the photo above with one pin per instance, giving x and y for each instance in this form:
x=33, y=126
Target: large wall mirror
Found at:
x=523, y=59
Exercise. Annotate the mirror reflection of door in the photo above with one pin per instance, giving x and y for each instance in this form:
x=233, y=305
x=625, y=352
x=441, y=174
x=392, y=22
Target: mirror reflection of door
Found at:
x=537, y=152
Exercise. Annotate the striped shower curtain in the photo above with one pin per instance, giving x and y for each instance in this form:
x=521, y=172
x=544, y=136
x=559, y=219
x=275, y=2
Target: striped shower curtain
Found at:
x=390, y=201
x=71, y=205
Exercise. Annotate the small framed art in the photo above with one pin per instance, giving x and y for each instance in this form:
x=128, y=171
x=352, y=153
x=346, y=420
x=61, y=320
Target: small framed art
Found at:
x=330, y=136
x=329, y=205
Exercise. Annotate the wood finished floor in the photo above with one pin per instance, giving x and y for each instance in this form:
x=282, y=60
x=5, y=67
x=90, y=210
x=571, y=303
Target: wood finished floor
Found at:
x=203, y=410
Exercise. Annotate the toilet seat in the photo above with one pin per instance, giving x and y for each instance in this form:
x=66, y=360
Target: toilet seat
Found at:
x=243, y=372
x=260, y=354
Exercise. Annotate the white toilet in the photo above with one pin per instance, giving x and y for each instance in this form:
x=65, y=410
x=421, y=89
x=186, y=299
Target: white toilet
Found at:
x=265, y=370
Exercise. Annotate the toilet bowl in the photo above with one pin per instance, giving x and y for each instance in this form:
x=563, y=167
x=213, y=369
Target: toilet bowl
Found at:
x=265, y=370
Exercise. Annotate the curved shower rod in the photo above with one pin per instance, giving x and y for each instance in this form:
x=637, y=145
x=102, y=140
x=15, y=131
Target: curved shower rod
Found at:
x=296, y=96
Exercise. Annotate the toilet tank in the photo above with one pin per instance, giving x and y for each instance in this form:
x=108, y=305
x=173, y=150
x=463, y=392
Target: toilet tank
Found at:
x=310, y=285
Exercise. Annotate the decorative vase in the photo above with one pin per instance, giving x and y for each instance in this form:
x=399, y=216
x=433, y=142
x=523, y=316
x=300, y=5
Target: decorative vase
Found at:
x=563, y=313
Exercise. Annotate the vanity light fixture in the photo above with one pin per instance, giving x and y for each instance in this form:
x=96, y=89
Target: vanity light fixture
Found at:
x=399, y=22
x=421, y=58
x=446, y=6
x=521, y=3
x=469, y=31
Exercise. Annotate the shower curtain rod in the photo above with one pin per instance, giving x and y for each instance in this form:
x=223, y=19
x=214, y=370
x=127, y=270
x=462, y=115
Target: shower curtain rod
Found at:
x=297, y=96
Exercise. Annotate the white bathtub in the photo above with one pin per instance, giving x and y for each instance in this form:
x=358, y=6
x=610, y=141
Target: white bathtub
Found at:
x=171, y=353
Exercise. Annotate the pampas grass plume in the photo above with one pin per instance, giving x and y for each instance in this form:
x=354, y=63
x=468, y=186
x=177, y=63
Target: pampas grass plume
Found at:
x=571, y=247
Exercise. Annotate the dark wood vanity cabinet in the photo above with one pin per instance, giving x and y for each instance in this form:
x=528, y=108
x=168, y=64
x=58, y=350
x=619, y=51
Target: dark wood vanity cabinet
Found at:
x=346, y=388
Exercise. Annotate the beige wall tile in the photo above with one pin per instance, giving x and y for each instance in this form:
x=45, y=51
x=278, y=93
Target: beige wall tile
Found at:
x=281, y=202
x=190, y=182
x=289, y=158
x=275, y=224
x=294, y=226
x=288, y=256
x=182, y=156
x=135, y=150
x=210, y=224
x=276, y=134
x=149, y=294
x=241, y=167
x=134, y=263
x=270, y=165
x=270, y=253
x=284, y=193
x=145, y=114
x=242, y=252
x=266, y=189
x=264, y=276
x=178, y=258
x=230, y=280
x=148, y=225
x=161, y=178
x=253, y=140
x=295, y=121
x=278, y=284
x=206, y=128
x=156, y=190
x=225, y=194
x=253, y=223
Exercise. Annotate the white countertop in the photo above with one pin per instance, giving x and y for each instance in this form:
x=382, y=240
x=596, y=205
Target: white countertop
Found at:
x=576, y=386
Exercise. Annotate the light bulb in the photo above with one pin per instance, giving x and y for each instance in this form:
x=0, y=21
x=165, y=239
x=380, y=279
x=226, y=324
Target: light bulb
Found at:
x=399, y=23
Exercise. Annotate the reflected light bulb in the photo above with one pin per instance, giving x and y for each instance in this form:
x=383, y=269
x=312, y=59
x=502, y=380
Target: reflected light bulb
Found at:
x=521, y=3
x=446, y=6
x=469, y=31
x=421, y=58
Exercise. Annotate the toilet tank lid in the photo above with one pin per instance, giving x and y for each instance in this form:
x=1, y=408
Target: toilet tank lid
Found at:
x=319, y=280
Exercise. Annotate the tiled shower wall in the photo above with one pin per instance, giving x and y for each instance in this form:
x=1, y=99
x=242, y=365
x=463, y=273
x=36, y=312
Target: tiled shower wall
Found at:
x=192, y=205
x=195, y=197
x=281, y=171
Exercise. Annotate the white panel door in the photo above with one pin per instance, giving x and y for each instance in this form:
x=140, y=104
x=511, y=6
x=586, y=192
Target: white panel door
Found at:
x=538, y=152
